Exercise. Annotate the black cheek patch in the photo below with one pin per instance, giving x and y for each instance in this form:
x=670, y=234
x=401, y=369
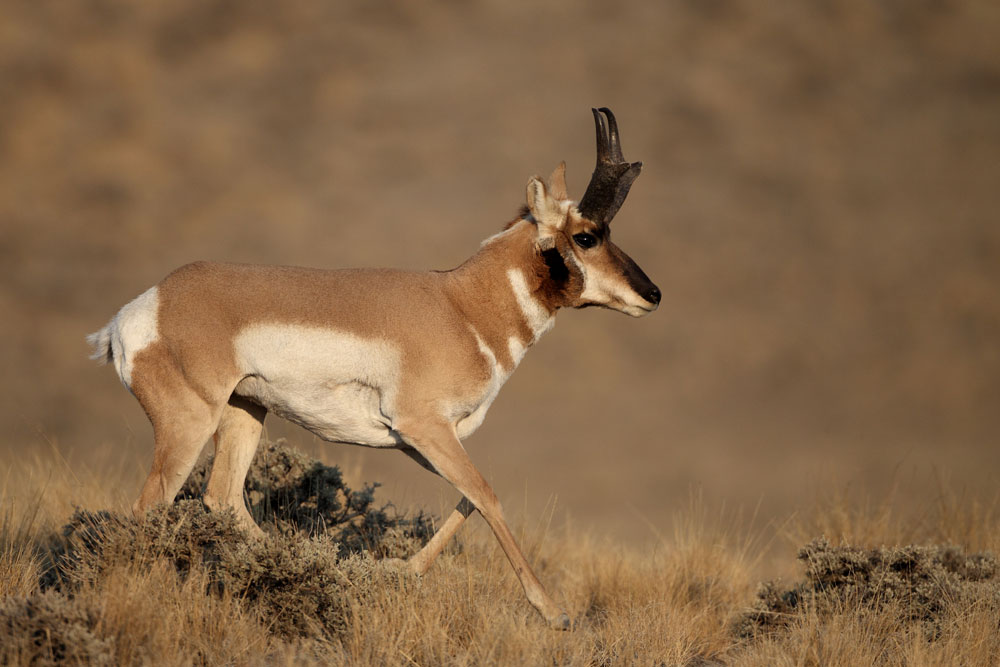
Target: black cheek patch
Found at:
x=558, y=271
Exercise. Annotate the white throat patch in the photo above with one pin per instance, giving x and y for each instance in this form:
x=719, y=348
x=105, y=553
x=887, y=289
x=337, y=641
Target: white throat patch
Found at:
x=539, y=319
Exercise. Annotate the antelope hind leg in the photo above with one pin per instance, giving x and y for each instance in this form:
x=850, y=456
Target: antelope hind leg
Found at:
x=236, y=441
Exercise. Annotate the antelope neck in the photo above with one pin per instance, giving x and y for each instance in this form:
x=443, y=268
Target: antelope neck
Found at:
x=500, y=291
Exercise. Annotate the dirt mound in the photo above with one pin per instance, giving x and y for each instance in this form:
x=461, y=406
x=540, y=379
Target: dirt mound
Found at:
x=324, y=556
x=922, y=584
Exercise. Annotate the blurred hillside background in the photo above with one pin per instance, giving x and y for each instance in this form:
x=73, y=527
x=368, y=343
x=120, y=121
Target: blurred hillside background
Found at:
x=819, y=205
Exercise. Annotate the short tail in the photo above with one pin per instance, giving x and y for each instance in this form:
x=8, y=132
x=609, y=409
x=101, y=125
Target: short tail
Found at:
x=101, y=342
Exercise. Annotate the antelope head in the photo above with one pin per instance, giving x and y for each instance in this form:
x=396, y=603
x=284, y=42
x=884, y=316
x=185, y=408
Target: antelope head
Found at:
x=575, y=238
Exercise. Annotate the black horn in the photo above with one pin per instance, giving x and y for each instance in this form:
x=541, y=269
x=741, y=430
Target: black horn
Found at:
x=612, y=177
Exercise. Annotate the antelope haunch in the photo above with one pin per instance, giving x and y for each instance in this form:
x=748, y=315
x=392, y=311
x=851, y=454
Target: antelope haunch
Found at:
x=379, y=358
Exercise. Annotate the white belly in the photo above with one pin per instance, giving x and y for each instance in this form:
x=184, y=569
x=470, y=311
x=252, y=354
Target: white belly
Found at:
x=339, y=386
x=349, y=412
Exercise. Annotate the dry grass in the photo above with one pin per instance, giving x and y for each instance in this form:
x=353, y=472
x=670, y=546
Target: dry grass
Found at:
x=183, y=587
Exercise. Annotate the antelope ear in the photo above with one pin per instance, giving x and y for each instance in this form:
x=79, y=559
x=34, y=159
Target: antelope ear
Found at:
x=544, y=209
x=557, y=182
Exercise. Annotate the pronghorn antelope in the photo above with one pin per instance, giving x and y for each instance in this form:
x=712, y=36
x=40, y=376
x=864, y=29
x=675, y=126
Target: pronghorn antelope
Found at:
x=379, y=358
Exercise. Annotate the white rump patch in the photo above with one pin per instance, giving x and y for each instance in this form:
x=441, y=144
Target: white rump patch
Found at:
x=132, y=330
x=538, y=317
x=340, y=386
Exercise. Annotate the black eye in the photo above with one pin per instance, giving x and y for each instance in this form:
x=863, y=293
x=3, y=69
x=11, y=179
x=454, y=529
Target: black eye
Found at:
x=585, y=240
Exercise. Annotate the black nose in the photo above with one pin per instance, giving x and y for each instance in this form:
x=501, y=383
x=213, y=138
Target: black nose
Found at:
x=653, y=295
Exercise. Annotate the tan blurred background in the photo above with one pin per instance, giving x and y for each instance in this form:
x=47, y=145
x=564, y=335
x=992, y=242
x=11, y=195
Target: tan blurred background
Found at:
x=819, y=206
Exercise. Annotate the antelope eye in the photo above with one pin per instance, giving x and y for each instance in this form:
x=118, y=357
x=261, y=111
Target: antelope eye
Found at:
x=585, y=240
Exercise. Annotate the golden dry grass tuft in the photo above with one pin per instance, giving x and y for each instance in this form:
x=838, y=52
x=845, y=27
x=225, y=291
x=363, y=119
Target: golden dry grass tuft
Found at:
x=183, y=586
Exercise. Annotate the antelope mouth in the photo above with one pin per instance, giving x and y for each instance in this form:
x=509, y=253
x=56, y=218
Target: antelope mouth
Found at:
x=639, y=311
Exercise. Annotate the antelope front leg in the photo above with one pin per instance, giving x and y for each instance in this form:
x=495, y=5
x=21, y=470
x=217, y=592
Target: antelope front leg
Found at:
x=421, y=561
x=439, y=445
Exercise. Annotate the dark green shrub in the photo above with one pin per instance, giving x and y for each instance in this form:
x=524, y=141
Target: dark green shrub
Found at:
x=288, y=492
x=921, y=584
